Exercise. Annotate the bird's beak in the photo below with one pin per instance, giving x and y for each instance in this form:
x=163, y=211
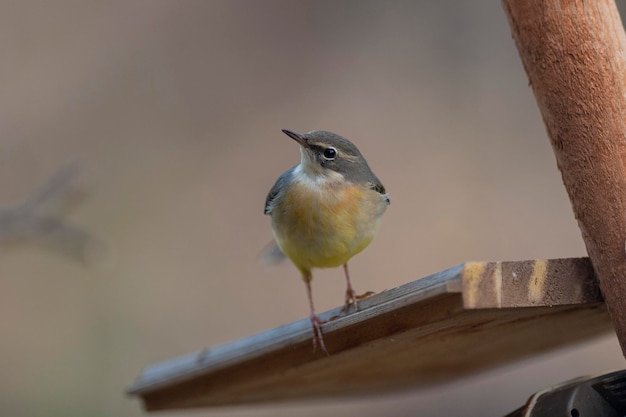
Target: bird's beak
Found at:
x=297, y=137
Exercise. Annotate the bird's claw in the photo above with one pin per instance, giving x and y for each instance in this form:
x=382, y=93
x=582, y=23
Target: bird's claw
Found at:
x=351, y=299
x=318, y=338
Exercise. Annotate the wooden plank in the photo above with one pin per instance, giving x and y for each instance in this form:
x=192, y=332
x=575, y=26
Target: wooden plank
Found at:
x=462, y=320
x=574, y=53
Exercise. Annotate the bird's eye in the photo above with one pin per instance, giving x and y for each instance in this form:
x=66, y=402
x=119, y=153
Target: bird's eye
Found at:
x=330, y=153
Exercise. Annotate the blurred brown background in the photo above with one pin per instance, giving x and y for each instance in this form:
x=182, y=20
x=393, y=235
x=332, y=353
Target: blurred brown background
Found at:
x=174, y=109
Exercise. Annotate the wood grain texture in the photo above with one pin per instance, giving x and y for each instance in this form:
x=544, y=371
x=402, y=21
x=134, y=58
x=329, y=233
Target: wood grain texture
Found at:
x=573, y=52
x=433, y=330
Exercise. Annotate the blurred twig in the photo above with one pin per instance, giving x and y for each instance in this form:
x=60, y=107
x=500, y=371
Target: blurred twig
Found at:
x=40, y=217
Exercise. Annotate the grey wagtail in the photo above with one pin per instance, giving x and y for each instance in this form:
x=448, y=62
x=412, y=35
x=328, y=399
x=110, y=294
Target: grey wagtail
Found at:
x=325, y=210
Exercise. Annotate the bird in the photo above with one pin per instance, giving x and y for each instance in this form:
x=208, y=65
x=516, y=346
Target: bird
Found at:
x=324, y=211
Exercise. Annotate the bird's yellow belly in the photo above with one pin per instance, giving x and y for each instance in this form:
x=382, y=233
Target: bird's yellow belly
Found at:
x=325, y=228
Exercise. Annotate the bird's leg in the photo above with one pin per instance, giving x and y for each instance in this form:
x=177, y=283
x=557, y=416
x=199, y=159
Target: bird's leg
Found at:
x=350, y=294
x=316, y=323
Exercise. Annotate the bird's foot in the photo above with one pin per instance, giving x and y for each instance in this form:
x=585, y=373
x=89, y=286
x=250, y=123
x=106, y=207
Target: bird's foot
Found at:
x=351, y=299
x=318, y=339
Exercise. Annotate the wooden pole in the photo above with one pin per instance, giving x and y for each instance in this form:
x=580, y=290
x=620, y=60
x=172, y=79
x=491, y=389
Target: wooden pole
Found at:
x=574, y=54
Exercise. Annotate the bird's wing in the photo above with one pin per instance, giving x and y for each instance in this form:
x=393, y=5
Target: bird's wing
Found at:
x=377, y=186
x=280, y=183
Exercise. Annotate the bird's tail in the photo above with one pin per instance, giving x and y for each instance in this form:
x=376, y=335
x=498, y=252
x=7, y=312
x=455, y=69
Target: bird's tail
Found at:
x=271, y=254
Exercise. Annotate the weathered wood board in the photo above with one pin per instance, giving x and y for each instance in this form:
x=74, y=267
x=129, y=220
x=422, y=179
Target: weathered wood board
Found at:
x=463, y=320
